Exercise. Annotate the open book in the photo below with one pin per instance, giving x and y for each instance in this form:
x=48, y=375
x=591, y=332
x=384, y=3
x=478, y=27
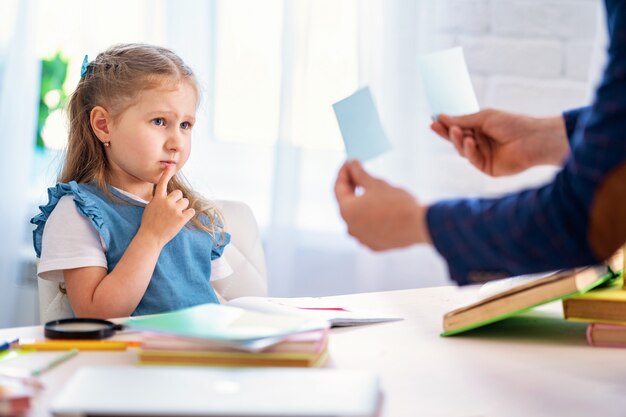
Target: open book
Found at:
x=528, y=294
x=314, y=308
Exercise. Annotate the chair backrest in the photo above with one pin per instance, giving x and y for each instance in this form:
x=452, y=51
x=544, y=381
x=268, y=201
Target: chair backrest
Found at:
x=244, y=254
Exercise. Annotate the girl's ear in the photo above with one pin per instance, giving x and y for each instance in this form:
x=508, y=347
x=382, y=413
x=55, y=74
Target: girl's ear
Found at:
x=99, y=119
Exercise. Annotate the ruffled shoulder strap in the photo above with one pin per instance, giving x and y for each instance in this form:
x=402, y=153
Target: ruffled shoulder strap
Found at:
x=221, y=238
x=85, y=204
x=219, y=244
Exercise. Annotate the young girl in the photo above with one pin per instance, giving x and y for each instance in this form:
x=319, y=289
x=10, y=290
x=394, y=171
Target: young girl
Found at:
x=121, y=229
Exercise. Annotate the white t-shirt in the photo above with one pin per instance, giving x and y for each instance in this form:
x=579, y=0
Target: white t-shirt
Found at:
x=70, y=241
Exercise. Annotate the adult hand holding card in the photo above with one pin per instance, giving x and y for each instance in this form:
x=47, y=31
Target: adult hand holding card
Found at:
x=361, y=129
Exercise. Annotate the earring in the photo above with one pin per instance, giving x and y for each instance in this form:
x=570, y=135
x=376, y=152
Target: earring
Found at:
x=107, y=144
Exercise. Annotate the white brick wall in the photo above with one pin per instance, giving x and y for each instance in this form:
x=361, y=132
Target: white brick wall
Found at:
x=565, y=19
x=528, y=56
x=523, y=55
x=513, y=56
x=464, y=16
x=535, y=96
x=577, y=59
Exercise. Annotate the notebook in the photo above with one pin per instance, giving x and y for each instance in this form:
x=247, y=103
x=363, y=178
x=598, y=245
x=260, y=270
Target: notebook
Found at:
x=314, y=308
x=248, y=330
x=183, y=391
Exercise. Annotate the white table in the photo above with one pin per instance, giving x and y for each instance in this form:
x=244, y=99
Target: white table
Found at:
x=536, y=365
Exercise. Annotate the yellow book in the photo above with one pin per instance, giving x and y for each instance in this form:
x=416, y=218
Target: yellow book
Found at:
x=304, y=350
x=602, y=305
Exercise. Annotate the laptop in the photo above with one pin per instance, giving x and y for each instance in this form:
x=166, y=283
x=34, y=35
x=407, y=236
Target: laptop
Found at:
x=191, y=391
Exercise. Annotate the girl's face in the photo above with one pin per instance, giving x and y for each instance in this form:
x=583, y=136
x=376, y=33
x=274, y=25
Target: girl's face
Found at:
x=150, y=135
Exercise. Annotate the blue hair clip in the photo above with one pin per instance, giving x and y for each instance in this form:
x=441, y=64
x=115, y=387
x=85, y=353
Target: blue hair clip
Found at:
x=83, y=69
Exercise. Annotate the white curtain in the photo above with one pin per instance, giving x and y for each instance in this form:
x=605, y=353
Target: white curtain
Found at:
x=19, y=100
x=390, y=35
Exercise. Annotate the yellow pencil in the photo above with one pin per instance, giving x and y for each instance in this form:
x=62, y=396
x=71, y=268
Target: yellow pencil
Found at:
x=78, y=344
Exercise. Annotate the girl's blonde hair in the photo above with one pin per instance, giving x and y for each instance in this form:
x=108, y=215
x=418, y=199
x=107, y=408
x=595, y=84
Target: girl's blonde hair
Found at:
x=114, y=81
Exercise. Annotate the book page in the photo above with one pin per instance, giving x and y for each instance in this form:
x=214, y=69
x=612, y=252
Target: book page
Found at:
x=313, y=308
x=498, y=286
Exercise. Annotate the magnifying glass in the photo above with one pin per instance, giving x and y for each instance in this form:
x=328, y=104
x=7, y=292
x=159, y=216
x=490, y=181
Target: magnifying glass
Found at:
x=80, y=328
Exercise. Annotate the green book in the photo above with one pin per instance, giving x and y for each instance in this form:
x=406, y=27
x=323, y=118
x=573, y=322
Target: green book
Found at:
x=226, y=324
x=525, y=296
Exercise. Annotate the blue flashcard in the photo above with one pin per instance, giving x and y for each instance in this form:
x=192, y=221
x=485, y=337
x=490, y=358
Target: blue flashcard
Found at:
x=447, y=83
x=360, y=126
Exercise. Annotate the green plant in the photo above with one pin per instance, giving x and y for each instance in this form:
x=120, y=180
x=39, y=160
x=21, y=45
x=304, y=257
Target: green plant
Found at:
x=52, y=96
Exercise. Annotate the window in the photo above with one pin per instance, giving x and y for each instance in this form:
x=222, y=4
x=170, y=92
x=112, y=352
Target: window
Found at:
x=67, y=31
x=248, y=71
x=319, y=51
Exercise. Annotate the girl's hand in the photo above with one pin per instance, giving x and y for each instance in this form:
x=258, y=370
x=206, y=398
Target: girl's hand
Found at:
x=501, y=143
x=166, y=214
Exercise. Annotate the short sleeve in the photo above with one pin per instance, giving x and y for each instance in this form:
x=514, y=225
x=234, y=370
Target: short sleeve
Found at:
x=83, y=203
x=220, y=269
x=69, y=241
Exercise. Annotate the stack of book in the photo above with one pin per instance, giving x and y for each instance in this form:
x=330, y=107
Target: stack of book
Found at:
x=217, y=335
x=605, y=309
x=247, y=331
x=302, y=350
x=595, y=294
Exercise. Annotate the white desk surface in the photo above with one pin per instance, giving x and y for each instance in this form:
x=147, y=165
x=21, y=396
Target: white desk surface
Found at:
x=536, y=365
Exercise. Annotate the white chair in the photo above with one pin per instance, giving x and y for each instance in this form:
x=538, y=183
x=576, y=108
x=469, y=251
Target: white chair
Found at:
x=244, y=254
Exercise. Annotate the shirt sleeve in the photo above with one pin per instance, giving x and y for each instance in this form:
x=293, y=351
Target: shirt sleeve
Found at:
x=578, y=219
x=69, y=241
x=220, y=269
